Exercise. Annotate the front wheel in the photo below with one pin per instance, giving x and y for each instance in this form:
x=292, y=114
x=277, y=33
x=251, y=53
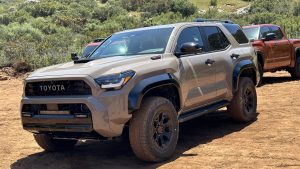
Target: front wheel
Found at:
x=51, y=144
x=295, y=72
x=153, y=130
x=244, y=103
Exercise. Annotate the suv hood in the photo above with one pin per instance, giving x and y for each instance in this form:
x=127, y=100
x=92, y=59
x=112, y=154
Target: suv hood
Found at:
x=94, y=68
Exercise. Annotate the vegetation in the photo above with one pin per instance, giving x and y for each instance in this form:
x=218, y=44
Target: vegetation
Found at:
x=45, y=32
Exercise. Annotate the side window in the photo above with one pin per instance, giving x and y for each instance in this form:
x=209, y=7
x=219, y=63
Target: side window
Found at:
x=191, y=34
x=237, y=33
x=277, y=31
x=215, y=38
x=264, y=31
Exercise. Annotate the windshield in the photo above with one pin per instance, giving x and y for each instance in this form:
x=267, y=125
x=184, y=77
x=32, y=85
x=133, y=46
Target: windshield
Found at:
x=153, y=41
x=88, y=50
x=252, y=33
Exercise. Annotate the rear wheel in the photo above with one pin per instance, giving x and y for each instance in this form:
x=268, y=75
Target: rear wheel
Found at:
x=244, y=103
x=153, y=130
x=48, y=143
x=295, y=72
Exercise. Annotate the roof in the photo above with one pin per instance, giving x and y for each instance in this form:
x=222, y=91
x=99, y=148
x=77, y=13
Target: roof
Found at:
x=258, y=25
x=169, y=26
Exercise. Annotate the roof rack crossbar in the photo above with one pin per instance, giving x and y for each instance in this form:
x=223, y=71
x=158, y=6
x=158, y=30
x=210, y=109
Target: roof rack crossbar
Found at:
x=212, y=20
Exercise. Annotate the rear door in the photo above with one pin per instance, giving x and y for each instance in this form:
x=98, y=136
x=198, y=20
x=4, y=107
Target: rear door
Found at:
x=197, y=76
x=218, y=49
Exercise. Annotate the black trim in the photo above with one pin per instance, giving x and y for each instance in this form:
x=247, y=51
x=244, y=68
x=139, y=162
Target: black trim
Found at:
x=62, y=88
x=137, y=93
x=239, y=68
x=202, y=110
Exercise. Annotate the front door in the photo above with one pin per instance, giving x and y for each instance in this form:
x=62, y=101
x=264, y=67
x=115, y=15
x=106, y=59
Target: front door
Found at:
x=281, y=48
x=197, y=71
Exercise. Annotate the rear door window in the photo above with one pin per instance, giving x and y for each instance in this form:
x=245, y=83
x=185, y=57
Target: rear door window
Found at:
x=215, y=38
x=237, y=33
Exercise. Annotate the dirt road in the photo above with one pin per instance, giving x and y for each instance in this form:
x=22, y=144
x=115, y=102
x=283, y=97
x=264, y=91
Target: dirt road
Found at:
x=214, y=141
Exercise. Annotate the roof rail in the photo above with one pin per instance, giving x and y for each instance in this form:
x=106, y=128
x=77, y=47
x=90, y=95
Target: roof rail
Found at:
x=212, y=20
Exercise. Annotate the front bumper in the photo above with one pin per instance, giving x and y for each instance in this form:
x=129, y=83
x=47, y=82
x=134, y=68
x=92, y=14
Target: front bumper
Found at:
x=108, y=113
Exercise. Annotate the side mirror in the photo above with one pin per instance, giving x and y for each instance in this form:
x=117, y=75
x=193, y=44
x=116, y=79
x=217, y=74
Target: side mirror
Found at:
x=189, y=48
x=74, y=56
x=270, y=36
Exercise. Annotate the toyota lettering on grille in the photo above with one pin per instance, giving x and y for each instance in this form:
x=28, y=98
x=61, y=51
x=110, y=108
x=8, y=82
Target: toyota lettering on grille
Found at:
x=54, y=88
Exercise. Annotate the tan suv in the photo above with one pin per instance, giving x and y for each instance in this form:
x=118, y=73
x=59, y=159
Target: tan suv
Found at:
x=146, y=80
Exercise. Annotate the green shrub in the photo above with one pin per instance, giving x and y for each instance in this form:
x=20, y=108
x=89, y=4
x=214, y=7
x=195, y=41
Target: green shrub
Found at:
x=184, y=7
x=213, y=2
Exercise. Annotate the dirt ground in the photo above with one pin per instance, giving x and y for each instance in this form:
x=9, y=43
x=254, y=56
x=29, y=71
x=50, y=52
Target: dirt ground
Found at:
x=213, y=141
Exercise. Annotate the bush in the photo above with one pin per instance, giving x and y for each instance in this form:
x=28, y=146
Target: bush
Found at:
x=46, y=32
x=213, y=2
x=184, y=7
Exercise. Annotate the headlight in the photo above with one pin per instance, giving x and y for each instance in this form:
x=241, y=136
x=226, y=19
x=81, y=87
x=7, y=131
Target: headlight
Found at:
x=115, y=81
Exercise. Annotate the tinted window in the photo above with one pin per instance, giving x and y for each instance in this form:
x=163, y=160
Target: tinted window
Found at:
x=277, y=31
x=237, y=33
x=88, y=50
x=136, y=42
x=191, y=34
x=215, y=37
x=264, y=31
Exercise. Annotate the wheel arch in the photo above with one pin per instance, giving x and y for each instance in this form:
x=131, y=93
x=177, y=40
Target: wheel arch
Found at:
x=160, y=85
x=245, y=68
x=260, y=58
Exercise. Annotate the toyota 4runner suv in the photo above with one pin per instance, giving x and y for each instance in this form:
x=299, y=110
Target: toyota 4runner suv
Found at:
x=145, y=81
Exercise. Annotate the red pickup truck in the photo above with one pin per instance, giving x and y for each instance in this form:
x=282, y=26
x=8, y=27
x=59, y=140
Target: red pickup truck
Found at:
x=274, y=50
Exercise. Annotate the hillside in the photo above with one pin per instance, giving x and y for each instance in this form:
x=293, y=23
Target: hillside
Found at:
x=45, y=32
x=226, y=5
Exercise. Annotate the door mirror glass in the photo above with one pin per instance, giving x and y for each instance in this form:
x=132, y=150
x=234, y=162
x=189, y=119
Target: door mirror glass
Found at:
x=189, y=48
x=269, y=37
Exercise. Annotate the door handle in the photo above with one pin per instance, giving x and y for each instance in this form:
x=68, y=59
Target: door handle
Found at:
x=235, y=56
x=209, y=62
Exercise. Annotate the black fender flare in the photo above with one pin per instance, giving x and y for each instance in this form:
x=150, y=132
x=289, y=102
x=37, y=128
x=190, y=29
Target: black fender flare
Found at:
x=136, y=95
x=262, y=57
x=239, y=68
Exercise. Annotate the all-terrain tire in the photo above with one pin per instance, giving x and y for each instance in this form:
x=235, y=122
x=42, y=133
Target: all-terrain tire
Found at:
x=244, y=103
x=295, y=72
x=153, y=130
x=48, y=143
x=261, y=73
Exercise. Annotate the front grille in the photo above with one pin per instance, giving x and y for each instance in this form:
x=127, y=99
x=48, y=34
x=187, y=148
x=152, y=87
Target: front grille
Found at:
x=72, y=108
x=57, y=88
